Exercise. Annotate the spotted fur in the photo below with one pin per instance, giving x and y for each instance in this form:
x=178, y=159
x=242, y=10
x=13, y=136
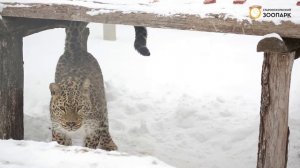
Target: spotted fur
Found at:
x=78, y=104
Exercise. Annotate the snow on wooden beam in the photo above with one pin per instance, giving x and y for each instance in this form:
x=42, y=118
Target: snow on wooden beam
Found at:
x=210, y=23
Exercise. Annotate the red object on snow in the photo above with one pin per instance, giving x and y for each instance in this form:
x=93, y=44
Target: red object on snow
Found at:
x=209, y=1
x=298, y=3
x=239, y=1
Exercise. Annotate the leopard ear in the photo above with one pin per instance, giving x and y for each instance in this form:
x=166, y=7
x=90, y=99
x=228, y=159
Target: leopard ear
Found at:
x=86, y=87
x=54, y=89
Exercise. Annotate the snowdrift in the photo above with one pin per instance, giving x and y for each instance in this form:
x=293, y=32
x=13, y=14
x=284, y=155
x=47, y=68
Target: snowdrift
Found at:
x=31, y=154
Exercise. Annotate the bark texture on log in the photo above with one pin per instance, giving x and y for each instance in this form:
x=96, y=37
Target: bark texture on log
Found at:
x=11, y=87
x=12, y=31
x=273, y=131
x=26, y=26
x=211, y=23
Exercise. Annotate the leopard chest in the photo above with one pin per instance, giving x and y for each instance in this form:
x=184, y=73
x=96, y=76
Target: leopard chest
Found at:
x=78, y=136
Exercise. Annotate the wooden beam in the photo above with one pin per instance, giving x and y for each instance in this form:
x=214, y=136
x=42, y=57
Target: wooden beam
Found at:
x=27, y=26
x=210, y=23
x=273, y=44
x=12, y=31
x=275, y=82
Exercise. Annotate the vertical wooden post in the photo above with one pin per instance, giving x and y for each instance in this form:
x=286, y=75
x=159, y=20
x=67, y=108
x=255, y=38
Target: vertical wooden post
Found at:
x=109, y=32
x=12, y=31
x=11, y=87
x=275, y=82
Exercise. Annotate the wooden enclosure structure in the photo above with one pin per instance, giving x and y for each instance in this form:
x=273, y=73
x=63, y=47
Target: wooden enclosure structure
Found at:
x=20, y=20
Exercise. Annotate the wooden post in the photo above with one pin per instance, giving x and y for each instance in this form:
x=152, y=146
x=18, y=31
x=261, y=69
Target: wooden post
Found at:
x=12, y=31
x=275, y=81
x=109, y=32
x=11, y=86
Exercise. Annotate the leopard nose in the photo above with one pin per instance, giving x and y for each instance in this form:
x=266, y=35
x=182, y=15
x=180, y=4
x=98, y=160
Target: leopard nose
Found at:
x=71, y=124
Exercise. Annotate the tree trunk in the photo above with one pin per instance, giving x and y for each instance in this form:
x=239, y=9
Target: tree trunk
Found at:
x=11, y=87
x=274, y=131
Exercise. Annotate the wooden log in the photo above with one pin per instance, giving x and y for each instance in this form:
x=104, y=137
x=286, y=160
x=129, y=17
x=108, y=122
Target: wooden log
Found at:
x=27, y=26
x=12, y=31
x=273, y=44
x=210, y=23
x=11, y=87
x=275, y=82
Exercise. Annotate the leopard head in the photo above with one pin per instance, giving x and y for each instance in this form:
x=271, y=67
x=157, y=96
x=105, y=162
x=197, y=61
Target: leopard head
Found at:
x=70, y=103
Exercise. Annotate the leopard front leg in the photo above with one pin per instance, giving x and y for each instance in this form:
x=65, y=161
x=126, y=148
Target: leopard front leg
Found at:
x=92, y=140
x=101, y=139
x=106, y=142
x=61, y=138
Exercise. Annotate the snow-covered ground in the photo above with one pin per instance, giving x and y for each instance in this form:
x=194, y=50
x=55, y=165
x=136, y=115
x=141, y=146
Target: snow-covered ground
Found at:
x=31, y=154
x=193, y=103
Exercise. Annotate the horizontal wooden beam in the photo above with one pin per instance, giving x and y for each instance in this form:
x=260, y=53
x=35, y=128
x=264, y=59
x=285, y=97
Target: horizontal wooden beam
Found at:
x=27, y=26
x=210, y=23
x=279, y=45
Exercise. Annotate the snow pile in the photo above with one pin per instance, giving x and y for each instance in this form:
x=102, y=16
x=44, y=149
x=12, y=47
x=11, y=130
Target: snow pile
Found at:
x=173, y=7
x=193, y=103
x=30, y=154
x=273, y=35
